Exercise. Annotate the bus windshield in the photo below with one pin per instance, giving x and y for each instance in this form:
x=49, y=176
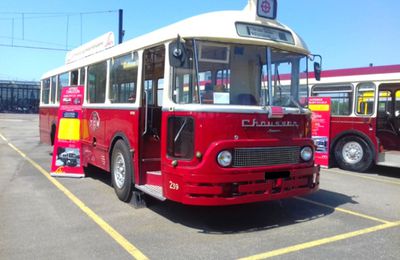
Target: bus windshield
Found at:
x=236, y=74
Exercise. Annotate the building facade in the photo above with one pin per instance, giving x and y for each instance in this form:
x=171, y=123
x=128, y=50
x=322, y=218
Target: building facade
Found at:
x=19, y=96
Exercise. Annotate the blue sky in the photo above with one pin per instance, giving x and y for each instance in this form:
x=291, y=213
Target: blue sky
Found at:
x=347, y=33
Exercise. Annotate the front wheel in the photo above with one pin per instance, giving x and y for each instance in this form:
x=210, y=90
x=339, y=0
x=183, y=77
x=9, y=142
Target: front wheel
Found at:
x=121, y=171
x=352, y=153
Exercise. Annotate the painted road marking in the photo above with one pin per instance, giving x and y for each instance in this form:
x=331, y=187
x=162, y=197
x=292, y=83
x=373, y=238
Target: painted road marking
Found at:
x=363, y=176
x=386, y=224
x=123, y=242
x=319, y=242
x=344, y=210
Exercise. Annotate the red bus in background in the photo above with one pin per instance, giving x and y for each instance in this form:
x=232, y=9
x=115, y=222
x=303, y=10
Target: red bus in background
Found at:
x=365, y=115
x=149, y=121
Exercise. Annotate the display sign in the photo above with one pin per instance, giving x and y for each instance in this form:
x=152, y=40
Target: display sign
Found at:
x=320, y=127
x=97, y=45
x=264, y=32
x=267, y=8
x=67, y=156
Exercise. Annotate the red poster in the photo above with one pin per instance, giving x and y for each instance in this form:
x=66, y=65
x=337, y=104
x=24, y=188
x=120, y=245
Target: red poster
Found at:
x=67, y=156
x=320, y=124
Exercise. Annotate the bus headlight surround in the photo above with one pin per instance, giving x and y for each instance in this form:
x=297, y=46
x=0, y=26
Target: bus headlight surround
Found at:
x=224, y=158
x=306, y=153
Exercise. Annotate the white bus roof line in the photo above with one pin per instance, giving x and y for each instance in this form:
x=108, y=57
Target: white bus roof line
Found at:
x=217, y=26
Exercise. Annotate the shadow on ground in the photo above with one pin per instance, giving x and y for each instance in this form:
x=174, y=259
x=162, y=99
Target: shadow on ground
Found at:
x=240, y=218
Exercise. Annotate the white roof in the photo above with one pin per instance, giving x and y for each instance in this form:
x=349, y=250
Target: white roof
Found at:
x=216, y=26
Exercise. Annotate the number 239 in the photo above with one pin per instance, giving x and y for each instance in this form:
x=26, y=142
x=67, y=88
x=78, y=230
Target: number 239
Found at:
x=173, y=185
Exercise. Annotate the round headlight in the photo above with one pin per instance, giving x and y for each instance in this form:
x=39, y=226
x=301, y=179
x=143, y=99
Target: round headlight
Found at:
x=306, y=153
x=224, y=158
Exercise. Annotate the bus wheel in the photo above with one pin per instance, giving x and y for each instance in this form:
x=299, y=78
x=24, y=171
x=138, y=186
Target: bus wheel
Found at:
x=352, y=153
x=121, y=171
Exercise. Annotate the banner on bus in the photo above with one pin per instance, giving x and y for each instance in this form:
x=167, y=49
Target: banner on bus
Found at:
x=320, y=128
x=67, y=155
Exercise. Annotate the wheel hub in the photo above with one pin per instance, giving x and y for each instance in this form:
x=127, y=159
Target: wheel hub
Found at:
x=352, y=152
x=119, y=171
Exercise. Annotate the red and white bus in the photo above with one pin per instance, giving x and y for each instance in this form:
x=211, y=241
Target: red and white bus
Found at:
x=183, y=113
x=365, y=115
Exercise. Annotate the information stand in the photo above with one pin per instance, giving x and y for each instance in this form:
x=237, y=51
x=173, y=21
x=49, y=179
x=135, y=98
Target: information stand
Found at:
x=320, y=128
x=67, y=155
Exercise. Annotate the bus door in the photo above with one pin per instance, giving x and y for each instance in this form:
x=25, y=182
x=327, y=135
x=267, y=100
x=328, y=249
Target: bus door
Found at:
x=150, y=120
x=388, y=116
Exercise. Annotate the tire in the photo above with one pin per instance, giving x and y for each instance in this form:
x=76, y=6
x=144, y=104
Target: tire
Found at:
x=122, y=171
x=352, y=153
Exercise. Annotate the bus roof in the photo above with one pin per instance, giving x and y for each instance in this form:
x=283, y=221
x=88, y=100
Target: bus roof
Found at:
x=361, y=71
x=214, y=26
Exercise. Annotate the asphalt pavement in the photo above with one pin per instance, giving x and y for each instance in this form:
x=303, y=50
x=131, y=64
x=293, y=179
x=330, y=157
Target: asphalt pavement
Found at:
x=352, y=216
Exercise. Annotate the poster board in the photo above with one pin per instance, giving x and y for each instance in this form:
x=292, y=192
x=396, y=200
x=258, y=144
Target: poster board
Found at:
x=67, y=152
x=320, y=128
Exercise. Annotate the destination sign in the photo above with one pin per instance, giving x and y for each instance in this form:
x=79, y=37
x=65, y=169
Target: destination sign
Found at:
x=263, y=32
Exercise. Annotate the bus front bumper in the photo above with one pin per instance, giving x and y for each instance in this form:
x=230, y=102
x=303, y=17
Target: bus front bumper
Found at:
x=240, y=188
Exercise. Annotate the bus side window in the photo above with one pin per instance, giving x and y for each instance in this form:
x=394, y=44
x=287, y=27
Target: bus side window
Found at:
x=82, y=76
x=63, y=81
x=74, y=78
x=397, y=104
x=53, y=90
x=45, y=91
x=160, y=91
x=123, y=78
x=341, y=97
x=365, y=98
x=97, y=82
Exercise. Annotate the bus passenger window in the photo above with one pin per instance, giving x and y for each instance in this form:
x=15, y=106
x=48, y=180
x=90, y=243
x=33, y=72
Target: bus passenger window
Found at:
x=63, y=81
x=74, y=78
x=341, y=97
x=397, y=104
x=97, y=82
x=365, y=98
x=123, y=79
x=82, y=76
x=53, y=88
x=46, y=91
x=160, y=91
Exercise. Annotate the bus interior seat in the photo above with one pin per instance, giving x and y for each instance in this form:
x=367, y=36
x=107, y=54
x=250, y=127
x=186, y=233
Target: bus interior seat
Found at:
x=245, y=99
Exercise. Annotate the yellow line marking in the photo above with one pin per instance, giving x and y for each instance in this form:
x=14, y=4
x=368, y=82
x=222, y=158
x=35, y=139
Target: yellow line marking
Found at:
x=122, y=241
x=364, y=177
x=344, y=211
x=322, y=241
x=2, y=137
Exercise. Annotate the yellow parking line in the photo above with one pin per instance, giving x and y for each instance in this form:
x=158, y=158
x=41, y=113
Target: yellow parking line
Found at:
x=322, y=241
x=364, y=177
x=4, y=139
x=344, y=210
x=122, y=241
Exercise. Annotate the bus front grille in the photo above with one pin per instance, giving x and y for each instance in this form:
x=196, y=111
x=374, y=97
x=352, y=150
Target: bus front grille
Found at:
x=265, y=156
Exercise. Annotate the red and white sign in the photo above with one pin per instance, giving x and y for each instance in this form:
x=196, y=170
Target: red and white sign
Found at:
x=320, y=127
x=267, y=8
x=97, y=45
x=67, y=152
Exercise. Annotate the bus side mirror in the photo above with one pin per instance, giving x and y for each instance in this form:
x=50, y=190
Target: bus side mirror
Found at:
x=317, y=66
x=177, y=54
x=317, y=71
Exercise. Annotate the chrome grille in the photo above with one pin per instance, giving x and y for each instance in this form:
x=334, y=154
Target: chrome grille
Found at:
x=265, y=156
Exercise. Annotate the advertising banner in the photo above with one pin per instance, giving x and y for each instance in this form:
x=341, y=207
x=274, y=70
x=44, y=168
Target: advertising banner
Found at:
x=320, y=125
x=67, y=156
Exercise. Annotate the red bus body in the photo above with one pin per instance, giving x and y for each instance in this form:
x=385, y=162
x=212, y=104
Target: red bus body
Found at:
x=243, y=143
